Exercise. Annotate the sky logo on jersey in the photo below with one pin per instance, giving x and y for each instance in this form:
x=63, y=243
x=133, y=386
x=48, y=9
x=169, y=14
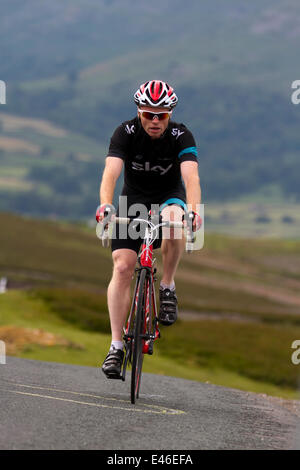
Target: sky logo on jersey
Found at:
x=146, y=167
x=176, y=132
x=129, y=130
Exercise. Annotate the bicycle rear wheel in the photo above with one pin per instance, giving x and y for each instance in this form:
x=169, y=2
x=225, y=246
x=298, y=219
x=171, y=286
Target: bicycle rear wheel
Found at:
x=138, y=341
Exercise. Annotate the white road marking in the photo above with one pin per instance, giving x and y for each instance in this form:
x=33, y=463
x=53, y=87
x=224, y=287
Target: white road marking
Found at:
x=154, y=409
x=144, y=395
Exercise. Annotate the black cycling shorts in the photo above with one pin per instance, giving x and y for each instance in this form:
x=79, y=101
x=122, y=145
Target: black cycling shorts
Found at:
x=118, y=240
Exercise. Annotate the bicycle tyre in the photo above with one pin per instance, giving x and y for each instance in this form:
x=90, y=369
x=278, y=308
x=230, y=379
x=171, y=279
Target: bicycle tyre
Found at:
x=137, y=352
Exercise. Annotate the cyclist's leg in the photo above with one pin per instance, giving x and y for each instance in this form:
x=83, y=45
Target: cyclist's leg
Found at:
x=172, y=248
x=118, y=300
x=125, y=249
x=118, y=292
x=173, y=241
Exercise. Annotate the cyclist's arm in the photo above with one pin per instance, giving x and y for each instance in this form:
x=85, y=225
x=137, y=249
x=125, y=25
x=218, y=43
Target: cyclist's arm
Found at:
x=190, y=176
x=112, y=171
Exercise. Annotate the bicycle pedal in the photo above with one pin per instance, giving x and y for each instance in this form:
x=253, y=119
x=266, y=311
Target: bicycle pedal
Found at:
x=114, y=377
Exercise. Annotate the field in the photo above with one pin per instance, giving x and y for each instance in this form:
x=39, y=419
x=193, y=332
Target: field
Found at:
x=264, y=216
x=239, y=304
x=46, y=163
x=61, y=170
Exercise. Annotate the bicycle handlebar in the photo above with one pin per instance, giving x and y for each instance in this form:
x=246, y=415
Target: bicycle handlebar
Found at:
x=168, y=224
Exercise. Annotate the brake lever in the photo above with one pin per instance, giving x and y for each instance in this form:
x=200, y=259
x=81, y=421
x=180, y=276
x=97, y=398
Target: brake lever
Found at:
x=191, y=236
x=102, y=229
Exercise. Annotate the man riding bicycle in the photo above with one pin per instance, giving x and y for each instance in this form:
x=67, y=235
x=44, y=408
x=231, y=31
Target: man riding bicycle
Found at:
x=157, y=154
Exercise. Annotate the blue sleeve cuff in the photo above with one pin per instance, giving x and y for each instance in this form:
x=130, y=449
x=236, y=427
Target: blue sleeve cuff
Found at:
x=192, y=150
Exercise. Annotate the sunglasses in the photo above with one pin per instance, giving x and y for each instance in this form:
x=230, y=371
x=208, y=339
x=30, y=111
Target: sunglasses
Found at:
x=160, y=116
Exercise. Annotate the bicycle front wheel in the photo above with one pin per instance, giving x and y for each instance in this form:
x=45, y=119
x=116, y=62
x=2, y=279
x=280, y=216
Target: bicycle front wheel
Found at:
x=138, y=341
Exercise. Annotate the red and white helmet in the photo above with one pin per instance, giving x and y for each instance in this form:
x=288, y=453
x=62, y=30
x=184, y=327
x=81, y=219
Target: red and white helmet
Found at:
x=156, y=93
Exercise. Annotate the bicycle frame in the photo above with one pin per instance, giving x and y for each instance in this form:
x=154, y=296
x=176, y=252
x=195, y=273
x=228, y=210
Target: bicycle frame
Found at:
x=151, y=330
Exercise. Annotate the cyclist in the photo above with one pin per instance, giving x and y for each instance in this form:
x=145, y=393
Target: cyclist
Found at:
x=157, y=154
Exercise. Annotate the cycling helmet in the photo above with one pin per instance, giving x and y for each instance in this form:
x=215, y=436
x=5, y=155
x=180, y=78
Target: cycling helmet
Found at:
x=156, y=93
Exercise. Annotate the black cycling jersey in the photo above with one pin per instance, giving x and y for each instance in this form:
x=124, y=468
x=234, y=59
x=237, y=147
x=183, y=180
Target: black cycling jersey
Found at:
x=152, y=166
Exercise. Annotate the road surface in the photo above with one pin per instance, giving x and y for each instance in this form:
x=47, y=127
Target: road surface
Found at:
x=57, y=406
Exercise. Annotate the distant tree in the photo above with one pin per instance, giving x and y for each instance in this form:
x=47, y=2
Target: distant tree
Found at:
x=262, y=219
x=72, y=76
x=45, y=151
x=71, y=157
x=287, y=219
x=225, y=217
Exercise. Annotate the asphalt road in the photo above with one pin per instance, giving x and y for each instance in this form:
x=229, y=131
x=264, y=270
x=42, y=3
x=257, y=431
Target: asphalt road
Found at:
x=57, y=406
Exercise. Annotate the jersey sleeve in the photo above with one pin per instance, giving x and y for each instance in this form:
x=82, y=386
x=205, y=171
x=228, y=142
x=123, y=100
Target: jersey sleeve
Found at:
x=187, y=150
x=118, y=143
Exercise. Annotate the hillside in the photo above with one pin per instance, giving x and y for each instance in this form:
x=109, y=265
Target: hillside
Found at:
x=46, y=169
x=232, y=65
x=239, y=305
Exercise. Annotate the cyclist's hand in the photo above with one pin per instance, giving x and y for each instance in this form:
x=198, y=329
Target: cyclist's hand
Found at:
x=103, y=211
x=195, y=220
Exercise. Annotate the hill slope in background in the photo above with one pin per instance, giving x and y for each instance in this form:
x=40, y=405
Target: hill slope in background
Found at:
x=77, y=64
x=48, y=170
x=77, y=34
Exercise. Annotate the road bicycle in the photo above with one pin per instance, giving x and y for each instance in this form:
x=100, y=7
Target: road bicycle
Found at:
x=141, y=328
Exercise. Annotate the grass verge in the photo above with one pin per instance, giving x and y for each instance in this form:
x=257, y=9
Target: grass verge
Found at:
x=223, y=353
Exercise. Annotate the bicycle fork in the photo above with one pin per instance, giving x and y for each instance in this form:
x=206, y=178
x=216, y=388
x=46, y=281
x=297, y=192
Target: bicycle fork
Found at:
x=154, y=334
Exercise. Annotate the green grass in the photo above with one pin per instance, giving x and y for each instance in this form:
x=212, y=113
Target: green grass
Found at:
x=22, y=309
x=257, y=351
x=193, y=357
x=83, y=309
